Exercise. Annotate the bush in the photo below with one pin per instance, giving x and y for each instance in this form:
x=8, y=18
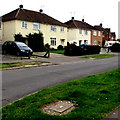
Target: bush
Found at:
x=115, y=47
x=60, y=47
x=35, y=41
x=73, y=50
x=19, y=38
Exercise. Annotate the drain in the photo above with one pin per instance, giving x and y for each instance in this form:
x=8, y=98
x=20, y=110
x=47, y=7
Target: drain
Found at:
x=58, y=108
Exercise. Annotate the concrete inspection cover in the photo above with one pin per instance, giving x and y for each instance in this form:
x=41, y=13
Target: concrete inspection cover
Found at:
x=59, y=107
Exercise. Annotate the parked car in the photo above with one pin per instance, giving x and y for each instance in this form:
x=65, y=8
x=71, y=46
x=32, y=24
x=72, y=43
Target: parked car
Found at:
x=16, y=48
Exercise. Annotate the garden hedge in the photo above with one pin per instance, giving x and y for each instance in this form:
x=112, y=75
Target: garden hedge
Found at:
x=73, y=50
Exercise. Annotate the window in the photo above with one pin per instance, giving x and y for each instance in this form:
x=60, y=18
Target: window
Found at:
x=36, y=26
x=95, y=42
x=53, y=28
x=24, y=24
x=80, y=31
x=95, y=33
x=86, y=32
x=62, y=29
x=62, y=41
x=98, y=33
x=53, y=41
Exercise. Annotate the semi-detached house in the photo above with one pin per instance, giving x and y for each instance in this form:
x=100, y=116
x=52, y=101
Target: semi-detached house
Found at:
x=26, y=21
x=80, y=32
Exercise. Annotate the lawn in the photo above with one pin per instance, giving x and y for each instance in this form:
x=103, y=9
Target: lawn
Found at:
x=95, y=95
x=99, y=56
x=57, y=51
x=21, y=64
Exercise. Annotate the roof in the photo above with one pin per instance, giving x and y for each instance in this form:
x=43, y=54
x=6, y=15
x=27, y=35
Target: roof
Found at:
x=101, y=29
x=79, y=24
x=31, y=16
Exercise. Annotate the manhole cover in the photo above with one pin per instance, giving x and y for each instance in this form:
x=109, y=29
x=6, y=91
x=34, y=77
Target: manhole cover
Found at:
x=59, y=108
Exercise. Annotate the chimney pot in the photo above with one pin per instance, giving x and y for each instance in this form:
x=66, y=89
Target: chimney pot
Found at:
x=41, y=10
x=100, y=24
x=21, y=6
x=82, y=20
x=72, y=18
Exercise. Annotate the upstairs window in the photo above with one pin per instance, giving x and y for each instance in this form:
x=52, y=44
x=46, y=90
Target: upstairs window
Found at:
x=53, y=28
x=95, y=33
x=24, y=24
x=80, y=31
x=62, y=29
x=98, y=33
x=36, y=26
x=86, y=32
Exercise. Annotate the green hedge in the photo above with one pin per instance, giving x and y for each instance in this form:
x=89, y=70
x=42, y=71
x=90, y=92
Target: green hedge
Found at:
x=115, y=47
x=73, y=50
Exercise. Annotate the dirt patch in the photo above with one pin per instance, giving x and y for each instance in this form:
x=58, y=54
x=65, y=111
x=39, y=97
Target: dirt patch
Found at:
x=58, y=108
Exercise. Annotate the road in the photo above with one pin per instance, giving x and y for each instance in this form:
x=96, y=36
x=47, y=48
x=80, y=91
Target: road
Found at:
x=21, y=82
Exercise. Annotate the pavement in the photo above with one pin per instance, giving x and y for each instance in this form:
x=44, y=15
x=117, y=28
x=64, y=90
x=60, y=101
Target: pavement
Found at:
x=61, y=59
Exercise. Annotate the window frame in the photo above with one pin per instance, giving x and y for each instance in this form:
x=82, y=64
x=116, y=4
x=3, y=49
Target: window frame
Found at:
x=53, y=41
x=53, y=28
x=24, y=24
x=94, y=32
x=37, y=25
x=62, y=29
x=99, y=34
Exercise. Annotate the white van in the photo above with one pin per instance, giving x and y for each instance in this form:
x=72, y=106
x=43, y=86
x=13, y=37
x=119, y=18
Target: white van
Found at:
x=110, y=43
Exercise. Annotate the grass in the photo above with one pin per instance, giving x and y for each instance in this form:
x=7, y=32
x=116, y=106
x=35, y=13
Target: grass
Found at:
x=96, y=96
x=99, y=56
x=20, y=64
x=57, y=51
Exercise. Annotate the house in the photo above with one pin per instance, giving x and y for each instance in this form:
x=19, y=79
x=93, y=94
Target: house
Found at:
x=27, y=21
x=80, y=32
x=107, y=34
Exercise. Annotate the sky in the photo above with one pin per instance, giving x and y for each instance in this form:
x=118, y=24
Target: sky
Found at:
x=94, y=12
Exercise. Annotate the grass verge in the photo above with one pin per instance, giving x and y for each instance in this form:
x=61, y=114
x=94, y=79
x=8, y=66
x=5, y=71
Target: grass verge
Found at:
x=99, y=56
x=96, y=96
x=21, y=64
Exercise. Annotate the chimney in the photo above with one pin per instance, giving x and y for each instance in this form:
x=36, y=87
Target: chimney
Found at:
x=100, y=24
x=41, y=11
x=20, y=6
x=72, y=18
x=82, y=20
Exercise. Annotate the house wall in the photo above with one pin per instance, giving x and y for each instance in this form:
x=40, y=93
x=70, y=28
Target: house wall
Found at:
x=75, y=36
x=15, y=27
x=8, y=31
x=97, y=38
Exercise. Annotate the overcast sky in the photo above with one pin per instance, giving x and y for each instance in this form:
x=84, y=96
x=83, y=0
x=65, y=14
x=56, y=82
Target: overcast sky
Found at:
x=93, y=11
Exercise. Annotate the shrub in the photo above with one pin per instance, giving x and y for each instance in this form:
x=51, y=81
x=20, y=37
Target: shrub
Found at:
x=115, y=47
x=60, y=47
x=73, y=50
x=18, y=37
x=35, y=41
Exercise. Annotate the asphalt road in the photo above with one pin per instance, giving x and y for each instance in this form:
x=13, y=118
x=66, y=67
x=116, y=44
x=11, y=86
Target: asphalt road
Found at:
x=21, y=82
